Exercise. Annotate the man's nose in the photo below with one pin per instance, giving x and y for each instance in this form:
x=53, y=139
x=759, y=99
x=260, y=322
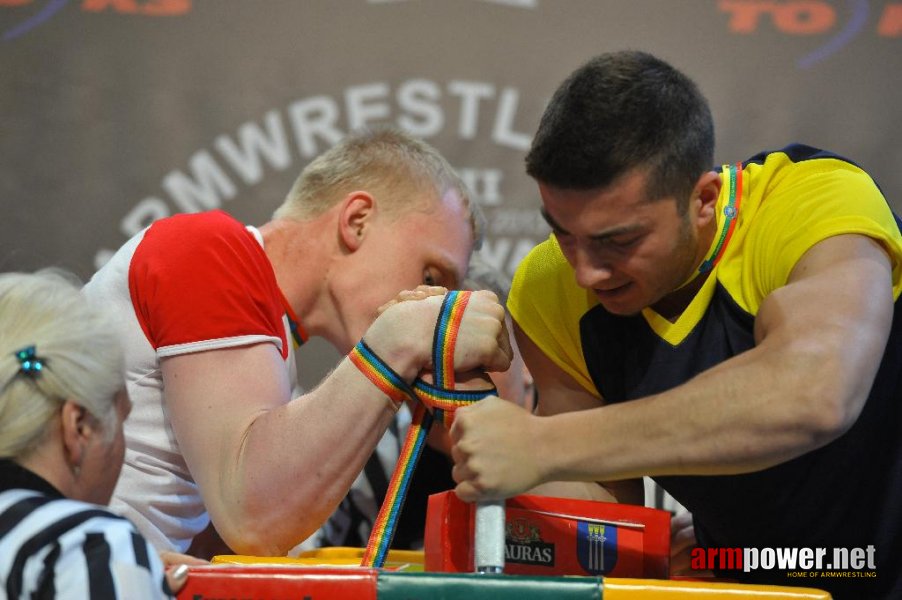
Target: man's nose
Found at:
x=591, y=271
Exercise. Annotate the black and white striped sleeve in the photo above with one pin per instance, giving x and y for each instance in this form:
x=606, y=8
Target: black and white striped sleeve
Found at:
x=53, y=548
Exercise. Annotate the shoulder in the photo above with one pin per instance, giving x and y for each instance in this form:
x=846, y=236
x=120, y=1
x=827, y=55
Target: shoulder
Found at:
x=545, y=265
x=545, y=279
x=804, y=195
x=194, y=237
x=547, y=305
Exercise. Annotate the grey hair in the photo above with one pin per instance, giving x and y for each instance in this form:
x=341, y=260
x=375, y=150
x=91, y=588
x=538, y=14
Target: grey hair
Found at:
x=385, y=160
x=81, y=354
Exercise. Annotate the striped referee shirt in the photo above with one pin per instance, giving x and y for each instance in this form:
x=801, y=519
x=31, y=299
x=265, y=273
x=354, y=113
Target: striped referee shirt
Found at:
x=53, y=547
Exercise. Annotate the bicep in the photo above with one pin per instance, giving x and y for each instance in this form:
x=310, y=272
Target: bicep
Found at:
x=557, y=393
x=835, y=310
x=556, y=390
x=213, y=398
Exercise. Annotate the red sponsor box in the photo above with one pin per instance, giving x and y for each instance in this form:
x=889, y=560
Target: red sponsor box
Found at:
x=554, y=536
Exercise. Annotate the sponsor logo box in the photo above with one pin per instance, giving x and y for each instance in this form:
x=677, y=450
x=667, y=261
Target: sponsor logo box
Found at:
x=554, y=536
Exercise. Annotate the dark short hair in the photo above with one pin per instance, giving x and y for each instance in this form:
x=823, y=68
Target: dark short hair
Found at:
x=620, y=111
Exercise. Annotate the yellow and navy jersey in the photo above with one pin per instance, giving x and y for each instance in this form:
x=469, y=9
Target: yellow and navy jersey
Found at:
x=785, y=202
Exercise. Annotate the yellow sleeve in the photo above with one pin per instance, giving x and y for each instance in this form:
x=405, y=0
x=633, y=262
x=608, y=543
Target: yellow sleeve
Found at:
x=547, y=305
x=816, y=200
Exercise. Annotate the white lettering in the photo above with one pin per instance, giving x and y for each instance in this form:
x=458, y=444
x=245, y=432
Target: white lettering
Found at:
x=518, y=221
x=806, y=559
x=786, y=557
x=484, y=185
x=749, y=559
x=314, y=117
x=470, y=93
x=495, y=251
x=503, y=133
x=254, y=144
x=142, y=215
x=205, y=190
x=360, y=111
x=504, y=254
x=528, y=554
x=840, y=558
x=418, y=97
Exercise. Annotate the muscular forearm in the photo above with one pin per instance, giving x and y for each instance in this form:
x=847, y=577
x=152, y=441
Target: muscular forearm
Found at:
x=818, y=347
x=297, y=462
x=804, y=383
x=757, y=410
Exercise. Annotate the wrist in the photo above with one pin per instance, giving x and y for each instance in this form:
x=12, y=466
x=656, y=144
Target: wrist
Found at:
x=380, y=374
x=402, y=336
x=542, y=430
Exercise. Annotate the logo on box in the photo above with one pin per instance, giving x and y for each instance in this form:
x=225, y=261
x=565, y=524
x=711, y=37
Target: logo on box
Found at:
x=596, y=547
x=524, y=545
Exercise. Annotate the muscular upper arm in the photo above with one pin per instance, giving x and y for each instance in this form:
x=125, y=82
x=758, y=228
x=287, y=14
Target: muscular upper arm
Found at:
x=213, y=398
x=831, y=321
x=557, y=391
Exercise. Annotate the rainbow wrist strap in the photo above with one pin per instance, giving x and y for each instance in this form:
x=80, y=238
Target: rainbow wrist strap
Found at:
x=383, y=376
x=443, y=400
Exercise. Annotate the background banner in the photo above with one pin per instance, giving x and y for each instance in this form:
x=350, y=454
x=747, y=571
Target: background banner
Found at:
x=119, y=112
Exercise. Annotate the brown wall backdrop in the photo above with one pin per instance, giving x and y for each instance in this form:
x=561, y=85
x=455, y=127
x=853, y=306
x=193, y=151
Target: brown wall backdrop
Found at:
x=118, y=112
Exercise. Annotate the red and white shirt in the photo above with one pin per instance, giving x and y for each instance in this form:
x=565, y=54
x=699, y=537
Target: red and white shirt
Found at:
x=187, y=283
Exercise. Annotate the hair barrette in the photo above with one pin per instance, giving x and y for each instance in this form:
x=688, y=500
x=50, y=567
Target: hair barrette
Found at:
x=29, y=363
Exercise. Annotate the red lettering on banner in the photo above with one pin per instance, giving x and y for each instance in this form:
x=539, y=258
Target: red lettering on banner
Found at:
x=804, y=18
x=798, y=17
x=166, y=8
x=154, y=8
x=745, y=14
x=891, y=21
x=122, y=6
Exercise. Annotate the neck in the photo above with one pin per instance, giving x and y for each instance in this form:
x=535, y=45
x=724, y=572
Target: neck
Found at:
x=48, y=461
x=673, y=304
x=293, y=248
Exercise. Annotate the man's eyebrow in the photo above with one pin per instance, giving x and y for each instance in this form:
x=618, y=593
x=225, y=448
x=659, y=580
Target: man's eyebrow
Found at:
x=551, y=222
x=599, y=237
x=615, y=231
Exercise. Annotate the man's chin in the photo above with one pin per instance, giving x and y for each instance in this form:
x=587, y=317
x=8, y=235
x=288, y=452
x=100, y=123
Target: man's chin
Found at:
x=622, y=311
x=618, y=301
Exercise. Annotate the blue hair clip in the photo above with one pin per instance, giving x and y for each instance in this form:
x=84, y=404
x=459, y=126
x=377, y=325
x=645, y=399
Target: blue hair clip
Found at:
x=29, y=364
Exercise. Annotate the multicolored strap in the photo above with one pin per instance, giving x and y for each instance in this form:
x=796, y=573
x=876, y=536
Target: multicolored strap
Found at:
x=382, y=375
x=443, y=400
x=730, y=213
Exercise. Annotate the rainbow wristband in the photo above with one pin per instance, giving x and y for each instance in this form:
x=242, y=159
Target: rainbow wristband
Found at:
x=442, y=400
x=383, y=376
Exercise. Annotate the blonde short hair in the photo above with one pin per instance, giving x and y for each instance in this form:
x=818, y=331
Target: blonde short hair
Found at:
x=384, y=160
x=81, y=354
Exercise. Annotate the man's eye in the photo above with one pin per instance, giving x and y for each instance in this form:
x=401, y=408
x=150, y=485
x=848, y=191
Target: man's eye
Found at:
x=429, y=277
x=624, y=243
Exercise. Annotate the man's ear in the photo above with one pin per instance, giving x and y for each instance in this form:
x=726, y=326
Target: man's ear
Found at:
x=355, y=217
x=77, y=429
x=704, y=197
